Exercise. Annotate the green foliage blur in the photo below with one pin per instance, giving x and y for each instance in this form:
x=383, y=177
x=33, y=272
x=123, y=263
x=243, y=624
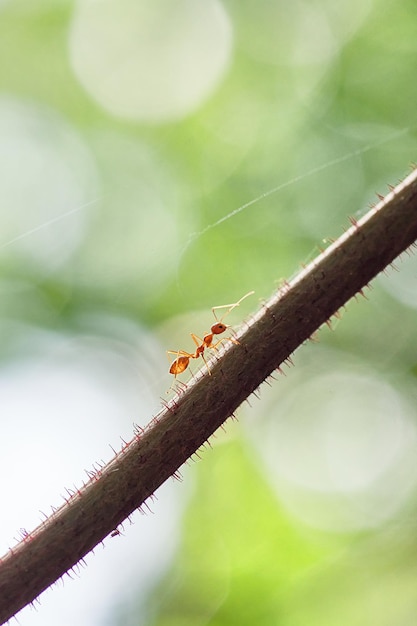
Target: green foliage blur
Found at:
x=303, y=513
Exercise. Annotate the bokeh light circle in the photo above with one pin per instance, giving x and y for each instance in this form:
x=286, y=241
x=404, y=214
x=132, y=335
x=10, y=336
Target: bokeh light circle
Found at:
x=339, y=446
x=150, y=61
x=48, y=185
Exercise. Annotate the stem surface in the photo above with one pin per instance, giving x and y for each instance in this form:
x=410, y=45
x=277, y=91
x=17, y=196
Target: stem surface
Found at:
x=284, y=322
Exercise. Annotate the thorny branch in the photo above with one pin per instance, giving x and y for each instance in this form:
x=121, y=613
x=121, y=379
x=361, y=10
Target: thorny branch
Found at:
x=284, y=322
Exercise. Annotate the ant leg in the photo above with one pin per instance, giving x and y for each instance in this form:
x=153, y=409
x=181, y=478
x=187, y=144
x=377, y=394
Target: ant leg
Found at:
x=200, y=350
x=206, y=364
x=197, y=340
x=180, y=353
x=235, y=341
x=176, y=381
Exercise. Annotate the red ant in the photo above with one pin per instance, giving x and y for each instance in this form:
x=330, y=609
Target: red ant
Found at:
x=182, y=361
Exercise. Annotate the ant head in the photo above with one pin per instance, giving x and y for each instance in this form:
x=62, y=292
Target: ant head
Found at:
x=218, y=328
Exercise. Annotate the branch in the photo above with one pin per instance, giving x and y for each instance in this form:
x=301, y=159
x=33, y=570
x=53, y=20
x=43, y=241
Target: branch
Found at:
x=284, y=322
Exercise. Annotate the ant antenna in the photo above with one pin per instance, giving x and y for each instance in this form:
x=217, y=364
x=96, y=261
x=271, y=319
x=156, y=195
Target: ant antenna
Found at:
x=230, y=306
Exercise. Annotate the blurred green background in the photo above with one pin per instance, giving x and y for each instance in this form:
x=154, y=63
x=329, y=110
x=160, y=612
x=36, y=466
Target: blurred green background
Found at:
x=160, y=158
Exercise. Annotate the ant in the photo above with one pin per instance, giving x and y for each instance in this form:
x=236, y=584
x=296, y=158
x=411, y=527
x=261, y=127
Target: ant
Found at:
x=182, y=361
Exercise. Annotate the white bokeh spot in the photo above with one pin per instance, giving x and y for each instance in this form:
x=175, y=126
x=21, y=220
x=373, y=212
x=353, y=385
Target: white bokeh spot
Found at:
x=150, y=61
x=339, y=445
x=48, y=185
